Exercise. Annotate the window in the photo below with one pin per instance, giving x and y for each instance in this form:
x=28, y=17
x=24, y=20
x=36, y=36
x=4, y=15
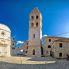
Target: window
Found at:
x=37, y=24
x=27, y=47
x=27, y=43
x=13, y=44
x=32, y=24
x=49, y=46
x=13, y=47
x=33, y=35
x=60, y=54
x=32, y=17
x=26, y=51
x=2, y=33
x=36, y=17
x=33, y=51
x=49, y=40
x=60, y=45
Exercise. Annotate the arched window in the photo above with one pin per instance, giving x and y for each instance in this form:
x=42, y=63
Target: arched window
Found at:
x=37, y=24
x=2, y=33
x=60, y=45
x=33, y=35
x=32, y=17
x=37, y=17
x=49, y=46
x=27, y=47
x=60, y=54
x=27, y=43
x=49, y=40
x=33, y=51
x=32, y=24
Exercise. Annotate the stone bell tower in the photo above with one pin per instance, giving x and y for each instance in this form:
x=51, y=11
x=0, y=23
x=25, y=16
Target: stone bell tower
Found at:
x=35, y=33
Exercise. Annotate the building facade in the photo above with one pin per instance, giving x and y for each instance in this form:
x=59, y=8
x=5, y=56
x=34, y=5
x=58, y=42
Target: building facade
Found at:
x=35, y=33
x=57, y=47
x=48, y=41
x=13, y=47
x=24, y=48
x=60, y=48
x=5, y=40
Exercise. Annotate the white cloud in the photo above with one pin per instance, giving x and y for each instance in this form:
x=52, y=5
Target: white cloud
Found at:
x=44, y=35
x=20, y=42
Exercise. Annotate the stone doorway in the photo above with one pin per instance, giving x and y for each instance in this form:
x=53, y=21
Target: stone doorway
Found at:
x=33, y=51
x=60, y=54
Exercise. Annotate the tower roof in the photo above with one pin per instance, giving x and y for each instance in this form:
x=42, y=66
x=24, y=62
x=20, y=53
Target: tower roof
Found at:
x=35, y=10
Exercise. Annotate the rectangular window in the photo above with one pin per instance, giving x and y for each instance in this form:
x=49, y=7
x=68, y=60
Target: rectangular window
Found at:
x=27, y=47
x=37, y=17
x=32, y=24
x=33, y=35
x=37, y=24
x=27, y=43
x=60, y=45
x=32, y=17
x=49, y=40
x=60, y=54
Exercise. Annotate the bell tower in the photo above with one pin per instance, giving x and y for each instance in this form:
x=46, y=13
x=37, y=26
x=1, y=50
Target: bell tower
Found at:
x=35, y=33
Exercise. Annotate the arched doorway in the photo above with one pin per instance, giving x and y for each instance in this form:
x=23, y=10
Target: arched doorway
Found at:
x=60, y=54
x=33, y=51
x=41, y=50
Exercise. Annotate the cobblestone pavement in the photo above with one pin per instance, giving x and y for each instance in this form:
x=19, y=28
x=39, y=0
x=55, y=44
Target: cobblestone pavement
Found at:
x=60, y=64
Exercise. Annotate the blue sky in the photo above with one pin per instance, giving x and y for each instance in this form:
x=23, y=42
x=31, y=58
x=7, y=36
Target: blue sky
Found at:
x=55, y=16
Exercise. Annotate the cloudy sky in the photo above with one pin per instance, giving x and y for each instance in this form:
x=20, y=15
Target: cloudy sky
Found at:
x=55, y=16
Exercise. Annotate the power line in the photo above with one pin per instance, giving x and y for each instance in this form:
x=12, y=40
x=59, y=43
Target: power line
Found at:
x=63, y=33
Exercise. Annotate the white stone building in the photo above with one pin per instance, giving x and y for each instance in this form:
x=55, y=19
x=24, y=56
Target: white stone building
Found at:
x=5, y=40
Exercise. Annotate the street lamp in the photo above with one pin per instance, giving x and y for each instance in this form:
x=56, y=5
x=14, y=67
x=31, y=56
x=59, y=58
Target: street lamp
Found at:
x=21, y=50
